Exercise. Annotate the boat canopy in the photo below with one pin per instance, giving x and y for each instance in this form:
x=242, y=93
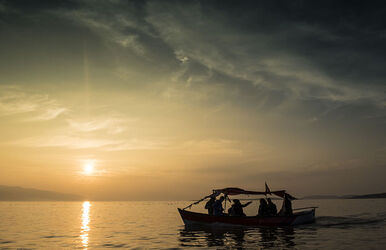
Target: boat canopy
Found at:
x=238, y=191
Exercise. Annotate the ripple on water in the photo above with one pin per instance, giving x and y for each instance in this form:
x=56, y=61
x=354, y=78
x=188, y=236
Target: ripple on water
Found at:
x=55, y=236
x=111, y=245
x=6, y=241
x=345, y=222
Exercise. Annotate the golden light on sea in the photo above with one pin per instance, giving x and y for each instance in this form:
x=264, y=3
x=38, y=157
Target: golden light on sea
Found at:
x=85, y=224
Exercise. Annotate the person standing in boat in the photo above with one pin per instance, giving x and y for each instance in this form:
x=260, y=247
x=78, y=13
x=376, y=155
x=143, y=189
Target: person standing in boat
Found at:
x=263, y=208
x=217, y=206
x=237, y=208
x=272, y=210
x=209, y=205
x=286, y=209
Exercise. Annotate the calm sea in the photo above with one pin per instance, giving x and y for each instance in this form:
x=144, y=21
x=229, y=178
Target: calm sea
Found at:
x=341, y=224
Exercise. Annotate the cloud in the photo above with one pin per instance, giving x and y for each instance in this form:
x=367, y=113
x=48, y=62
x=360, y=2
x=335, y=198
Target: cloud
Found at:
x=181, y=57
x=208, y=147
x=29, y=104
x=138, y=144
x=115, y=22
x=304, y=56
x=71, y=142
x=82, y=142
x=112, y=124
x=254, y=56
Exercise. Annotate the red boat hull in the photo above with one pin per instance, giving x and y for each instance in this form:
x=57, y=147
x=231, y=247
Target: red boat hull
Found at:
x=191, y=218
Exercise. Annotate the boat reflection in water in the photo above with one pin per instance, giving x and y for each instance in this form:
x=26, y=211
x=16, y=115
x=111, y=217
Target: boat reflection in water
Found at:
x=237, y=237
x=85, y=221
x=271, y=237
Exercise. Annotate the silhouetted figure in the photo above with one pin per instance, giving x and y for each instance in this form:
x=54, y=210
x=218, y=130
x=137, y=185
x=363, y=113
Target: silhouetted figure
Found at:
x=237, y=208
x=263, y=208
x=209, y=205
x=286, y=209
x=272, y=210
x=217, y=206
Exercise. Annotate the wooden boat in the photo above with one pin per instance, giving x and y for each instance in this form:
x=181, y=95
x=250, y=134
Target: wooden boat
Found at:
x=193, y=218
x=306, y=215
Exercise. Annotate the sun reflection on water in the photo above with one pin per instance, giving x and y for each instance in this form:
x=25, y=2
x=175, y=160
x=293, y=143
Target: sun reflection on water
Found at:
x=85, y=221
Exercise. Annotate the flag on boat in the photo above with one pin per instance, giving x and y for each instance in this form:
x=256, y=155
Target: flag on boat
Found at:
x=267, y=190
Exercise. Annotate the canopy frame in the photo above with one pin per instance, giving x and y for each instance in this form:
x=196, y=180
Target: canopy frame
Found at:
x=239, y=191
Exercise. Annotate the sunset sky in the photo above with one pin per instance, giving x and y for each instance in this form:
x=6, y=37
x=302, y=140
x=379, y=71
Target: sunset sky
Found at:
x=170, y=99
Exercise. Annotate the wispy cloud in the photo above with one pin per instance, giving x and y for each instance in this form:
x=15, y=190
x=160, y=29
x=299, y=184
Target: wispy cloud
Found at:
x=81, y=142
x=252, y=57
x=269, y=61
x=72, y=142
x=114, y=124
x=113, y=25
x=208, y=147
x=33, y=106
x=138, y=144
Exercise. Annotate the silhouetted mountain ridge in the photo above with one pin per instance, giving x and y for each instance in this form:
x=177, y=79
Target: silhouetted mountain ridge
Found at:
x=365, y=196
x=9, y=193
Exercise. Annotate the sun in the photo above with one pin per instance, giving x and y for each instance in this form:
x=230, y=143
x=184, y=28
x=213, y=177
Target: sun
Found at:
x=88, y=167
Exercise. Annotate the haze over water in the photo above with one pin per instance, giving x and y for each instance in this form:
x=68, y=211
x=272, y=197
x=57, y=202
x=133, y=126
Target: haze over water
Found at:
x=340, y=224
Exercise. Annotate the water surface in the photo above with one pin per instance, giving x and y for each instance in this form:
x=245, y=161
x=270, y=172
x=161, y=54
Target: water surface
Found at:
x=340, y=224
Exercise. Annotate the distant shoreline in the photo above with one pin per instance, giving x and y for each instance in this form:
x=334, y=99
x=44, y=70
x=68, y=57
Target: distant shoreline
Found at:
x=9, y=193
x=365, y=196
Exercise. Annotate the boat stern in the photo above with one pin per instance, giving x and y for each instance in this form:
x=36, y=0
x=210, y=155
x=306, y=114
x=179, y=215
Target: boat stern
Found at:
x=304, y=217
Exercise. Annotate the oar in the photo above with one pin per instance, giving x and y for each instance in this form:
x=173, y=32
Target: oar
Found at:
x=196, y=202
x=303, y=208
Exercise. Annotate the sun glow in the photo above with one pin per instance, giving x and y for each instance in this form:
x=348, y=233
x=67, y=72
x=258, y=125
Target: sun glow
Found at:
x=88, y=167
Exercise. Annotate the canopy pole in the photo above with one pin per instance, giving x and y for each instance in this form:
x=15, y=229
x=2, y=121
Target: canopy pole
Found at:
x=225, y=205
x=196, y=202
x=301, y=208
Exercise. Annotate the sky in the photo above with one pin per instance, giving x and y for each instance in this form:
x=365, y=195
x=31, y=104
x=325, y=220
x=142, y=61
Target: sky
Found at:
x=140, y=100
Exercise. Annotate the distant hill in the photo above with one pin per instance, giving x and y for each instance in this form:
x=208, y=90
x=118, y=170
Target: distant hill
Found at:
x=366, y=196
x=8, y=193
x=320, y=197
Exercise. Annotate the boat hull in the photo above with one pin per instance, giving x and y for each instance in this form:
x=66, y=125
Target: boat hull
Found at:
x=193, y=218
